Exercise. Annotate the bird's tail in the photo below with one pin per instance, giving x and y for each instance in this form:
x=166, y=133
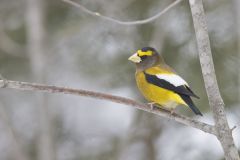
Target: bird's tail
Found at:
x=190, y=103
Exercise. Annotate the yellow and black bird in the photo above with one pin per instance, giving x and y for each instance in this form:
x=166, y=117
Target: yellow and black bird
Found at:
x=159, y=83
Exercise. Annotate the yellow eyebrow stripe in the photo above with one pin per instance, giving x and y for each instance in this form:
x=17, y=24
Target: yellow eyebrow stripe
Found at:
x=147, y=53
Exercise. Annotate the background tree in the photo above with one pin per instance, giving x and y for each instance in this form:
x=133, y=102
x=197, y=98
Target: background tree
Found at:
x=85, y=51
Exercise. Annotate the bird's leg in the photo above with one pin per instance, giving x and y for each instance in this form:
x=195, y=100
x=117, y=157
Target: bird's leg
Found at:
x=172, y=111
x=151, y=105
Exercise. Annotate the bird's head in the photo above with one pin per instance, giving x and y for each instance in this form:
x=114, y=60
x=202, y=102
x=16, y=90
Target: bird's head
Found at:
x=145, y=57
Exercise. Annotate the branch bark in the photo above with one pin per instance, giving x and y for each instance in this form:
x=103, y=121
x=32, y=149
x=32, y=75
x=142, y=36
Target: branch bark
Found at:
x=117, y=99
x=224, y=133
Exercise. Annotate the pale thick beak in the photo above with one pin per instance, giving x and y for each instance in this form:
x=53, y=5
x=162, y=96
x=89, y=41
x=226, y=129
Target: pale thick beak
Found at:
x=135, y=58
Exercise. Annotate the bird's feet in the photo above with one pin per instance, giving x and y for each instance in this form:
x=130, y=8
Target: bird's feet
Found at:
x=151, y=105
x=172, y=111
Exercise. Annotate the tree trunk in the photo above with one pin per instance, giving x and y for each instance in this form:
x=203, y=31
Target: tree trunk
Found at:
x=37, y=55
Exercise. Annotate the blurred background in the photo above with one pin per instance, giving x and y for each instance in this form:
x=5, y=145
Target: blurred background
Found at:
x=55, y=43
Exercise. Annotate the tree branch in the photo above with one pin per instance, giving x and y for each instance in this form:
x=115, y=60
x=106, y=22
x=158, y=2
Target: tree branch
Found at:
x=216, y=103
x=117, y=99
x=138, y=22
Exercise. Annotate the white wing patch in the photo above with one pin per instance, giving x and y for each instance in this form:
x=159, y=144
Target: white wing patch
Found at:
x=173, y=79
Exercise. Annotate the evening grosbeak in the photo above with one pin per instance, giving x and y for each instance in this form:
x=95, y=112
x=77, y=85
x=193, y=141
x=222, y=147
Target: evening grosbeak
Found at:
x=159, y=83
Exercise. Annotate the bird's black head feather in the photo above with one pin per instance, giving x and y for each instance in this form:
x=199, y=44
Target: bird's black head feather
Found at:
x=145, y=49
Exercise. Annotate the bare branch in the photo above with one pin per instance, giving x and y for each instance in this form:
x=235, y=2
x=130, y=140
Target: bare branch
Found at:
x=224, y=133
x=137, y=22
x=117, y=99
x=234, y=127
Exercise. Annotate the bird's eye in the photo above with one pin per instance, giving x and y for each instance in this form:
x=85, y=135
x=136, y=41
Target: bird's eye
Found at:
x=143, y=57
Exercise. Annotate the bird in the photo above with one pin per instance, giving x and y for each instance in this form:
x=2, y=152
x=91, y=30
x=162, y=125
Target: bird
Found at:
x=159, y=83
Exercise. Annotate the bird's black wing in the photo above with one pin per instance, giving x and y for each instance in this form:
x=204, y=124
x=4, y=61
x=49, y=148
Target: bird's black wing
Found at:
x=183, y=89
x=190, y=103
x=189, y=89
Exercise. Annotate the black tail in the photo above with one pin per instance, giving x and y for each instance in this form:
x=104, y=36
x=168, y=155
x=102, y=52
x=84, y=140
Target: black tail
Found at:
x=190, y=103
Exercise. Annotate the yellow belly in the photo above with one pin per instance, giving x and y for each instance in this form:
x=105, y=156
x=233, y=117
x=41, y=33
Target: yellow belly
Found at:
x=152, y=93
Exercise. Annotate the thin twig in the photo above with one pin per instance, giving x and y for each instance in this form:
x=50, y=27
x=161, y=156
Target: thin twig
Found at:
x=117, y=99
x=234, y=127
x=137, y=22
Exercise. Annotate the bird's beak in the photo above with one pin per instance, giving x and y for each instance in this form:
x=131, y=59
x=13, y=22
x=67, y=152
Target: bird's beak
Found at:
x=135, y=58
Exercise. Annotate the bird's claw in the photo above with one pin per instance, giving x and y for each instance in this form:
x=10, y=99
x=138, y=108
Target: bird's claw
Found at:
x=172, y=111
x=151, y=105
